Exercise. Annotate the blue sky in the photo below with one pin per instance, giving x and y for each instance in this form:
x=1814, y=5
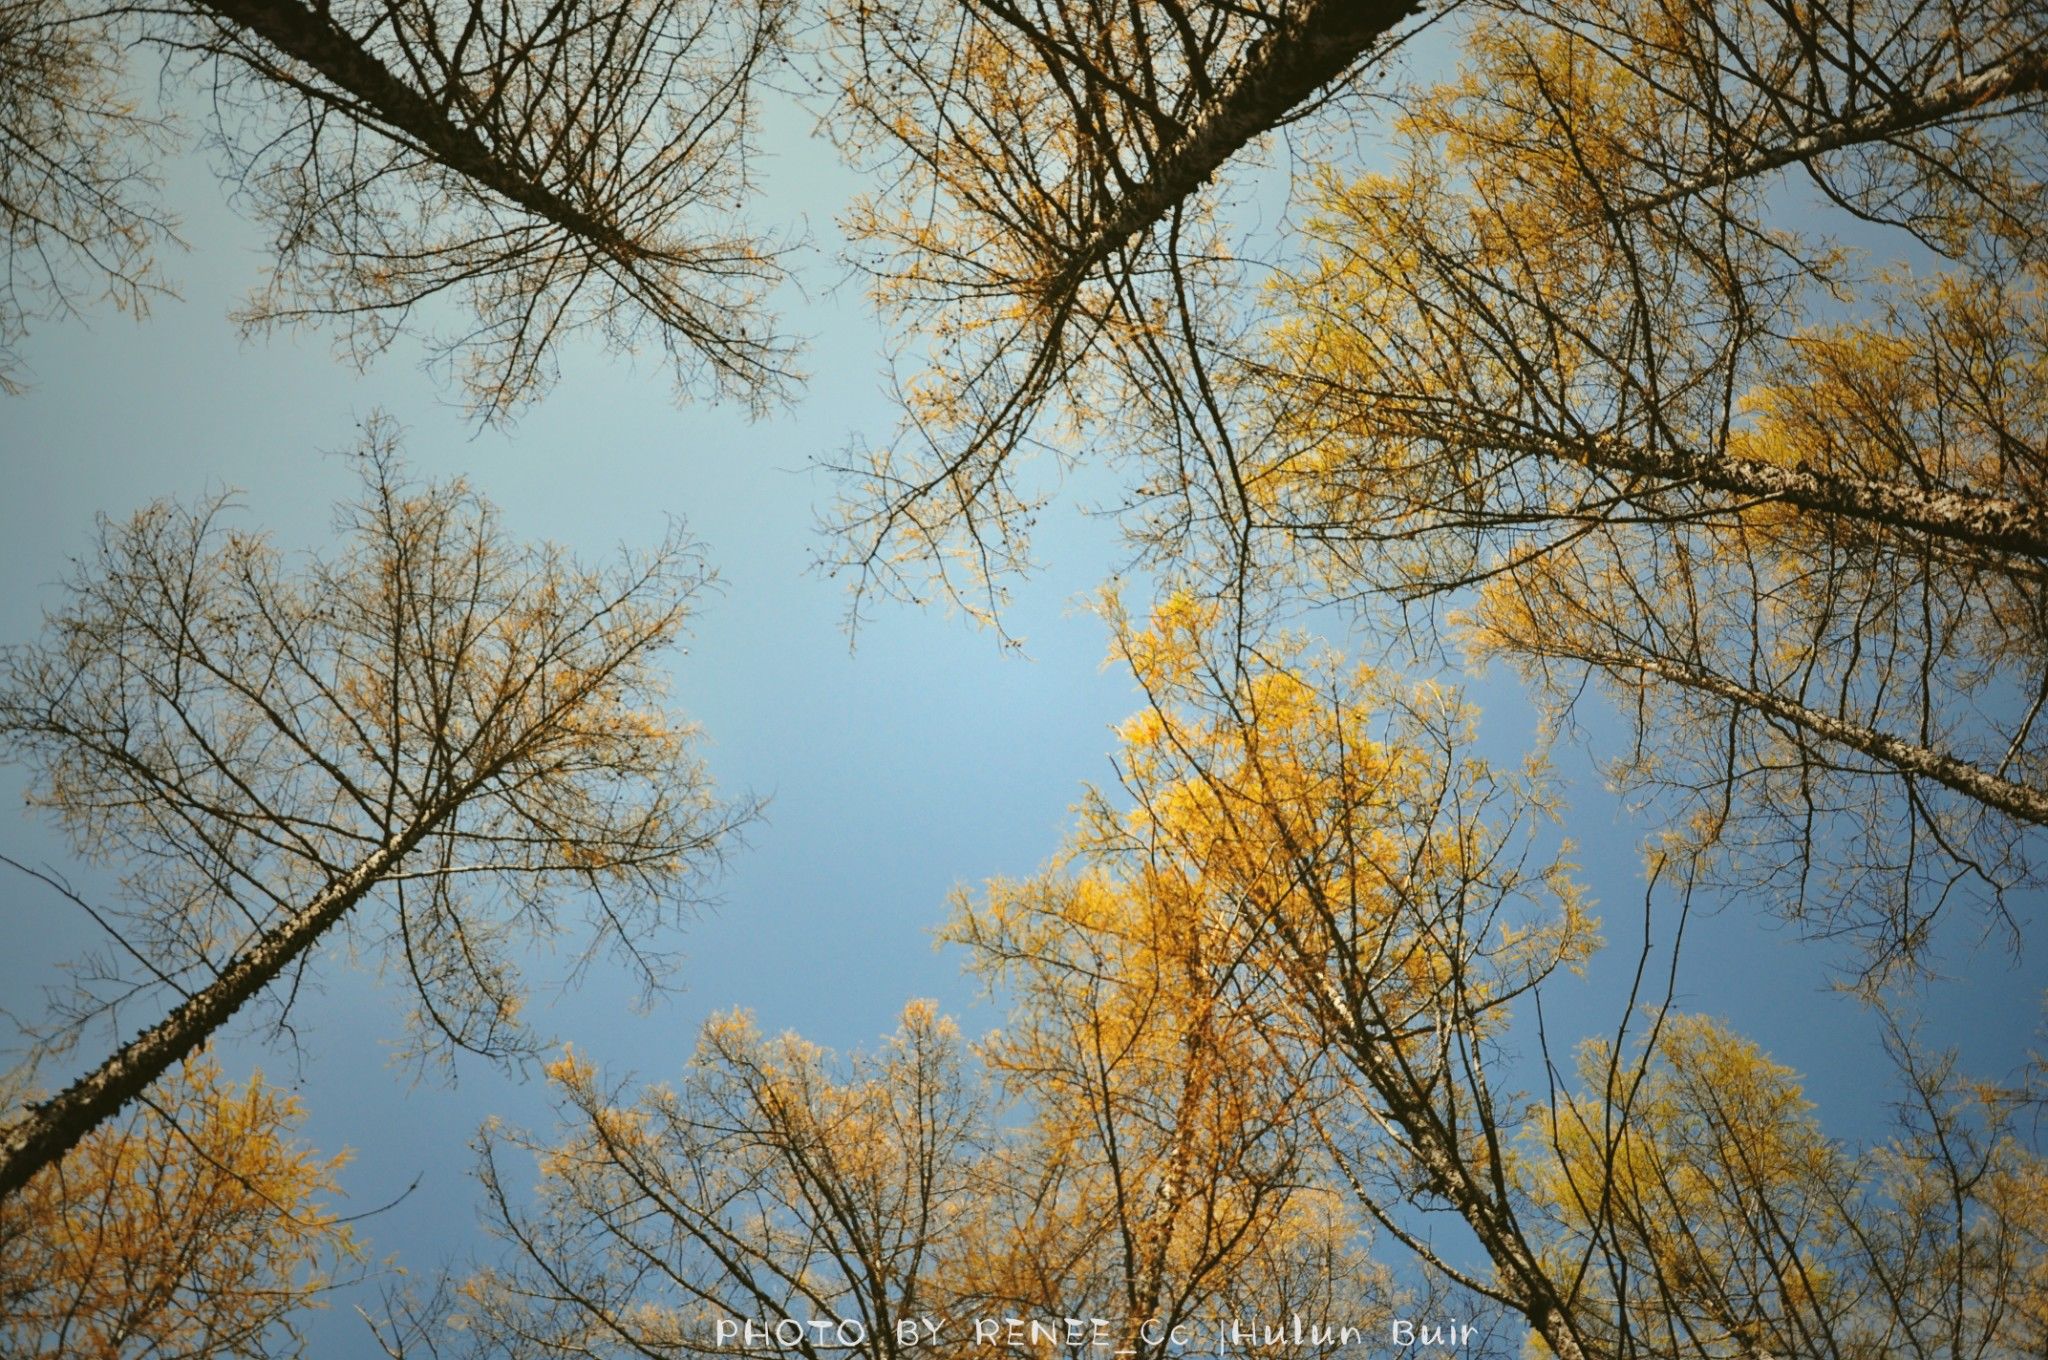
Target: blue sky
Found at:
x=922, y=758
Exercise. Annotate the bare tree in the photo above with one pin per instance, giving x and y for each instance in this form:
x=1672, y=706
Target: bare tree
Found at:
x=559, y=167
x=555, y=167
x=438, y=735
x=77, y=192
x=1040, y=220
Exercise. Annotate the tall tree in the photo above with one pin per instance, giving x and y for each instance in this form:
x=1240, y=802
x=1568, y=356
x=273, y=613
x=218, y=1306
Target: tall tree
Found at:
x=193, y=1226
x=770, y=1182
x=1383, y=898
x=556, y=167
x=1279, y=969
x=1168, y=1175
x=439, y=735
x=1575, y=349
x=1378, y=893
x=76, y=186
x=1041, y=220
x=1588, y=328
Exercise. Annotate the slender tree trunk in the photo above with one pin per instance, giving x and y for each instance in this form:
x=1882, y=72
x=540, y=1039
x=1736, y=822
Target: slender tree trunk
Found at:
x=49, y=1130
x=381, y=99
x=1526, y=1284
x=2021, y=801
x=1534, y=1294
x=1285, y=66
x=1998, y=523
x=1475, y=1193
x=2026, y=73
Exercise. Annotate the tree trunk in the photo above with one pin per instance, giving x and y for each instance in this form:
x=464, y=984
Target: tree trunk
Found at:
x=2020, y=801
x=2026, y=73
x=1998, y=523
x=1286, y=66
x=51, y=1129
x=1474, y=1193
x=382, y=100
x=1527, y=1286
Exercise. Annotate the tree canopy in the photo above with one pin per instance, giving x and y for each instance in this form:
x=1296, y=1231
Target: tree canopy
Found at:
x=1261, y=1024
x=1684, y=361
x=196, y=1225
x=1694, y=346
x=1583, y=356
x=459, y=728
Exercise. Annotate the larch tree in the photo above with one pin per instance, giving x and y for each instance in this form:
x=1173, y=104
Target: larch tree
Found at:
x=559, y=167
x=193, y=1226
x=439, y=740
x=1382, y=895
x=1035, y=150
x=1040, y=229
x=769, y=1182
x=1577, y=350
x=77, y=198
x=1131, y=1162
x=1381, y=904
x=1703, y=1210
x=1168, y=1176
x=1275, y=991
x=556, y=168
x=1603, y=338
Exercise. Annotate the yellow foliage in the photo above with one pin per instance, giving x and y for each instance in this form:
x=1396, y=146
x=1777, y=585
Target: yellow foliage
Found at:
x=193, y=1227
x=1729, y=1217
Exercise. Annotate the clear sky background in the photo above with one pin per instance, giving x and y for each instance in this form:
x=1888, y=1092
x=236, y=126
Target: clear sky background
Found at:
x=923, y=759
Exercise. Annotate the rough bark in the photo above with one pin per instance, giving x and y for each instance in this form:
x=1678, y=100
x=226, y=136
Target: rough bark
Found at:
x=1525, y=1284
x=2024, y=74
x=2020, y=801
x=1475, y=1193
x=1284, y=68
x=1998, y=523
x=49, y=1130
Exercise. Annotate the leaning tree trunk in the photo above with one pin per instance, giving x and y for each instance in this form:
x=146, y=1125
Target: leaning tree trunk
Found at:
x=378, y=97
x=1475, y=1193
x=2025, y=73
x=1976, y=519
x=2022, y=802
x=1345, y=1010
x=49, y=1130
x=1283, y=69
